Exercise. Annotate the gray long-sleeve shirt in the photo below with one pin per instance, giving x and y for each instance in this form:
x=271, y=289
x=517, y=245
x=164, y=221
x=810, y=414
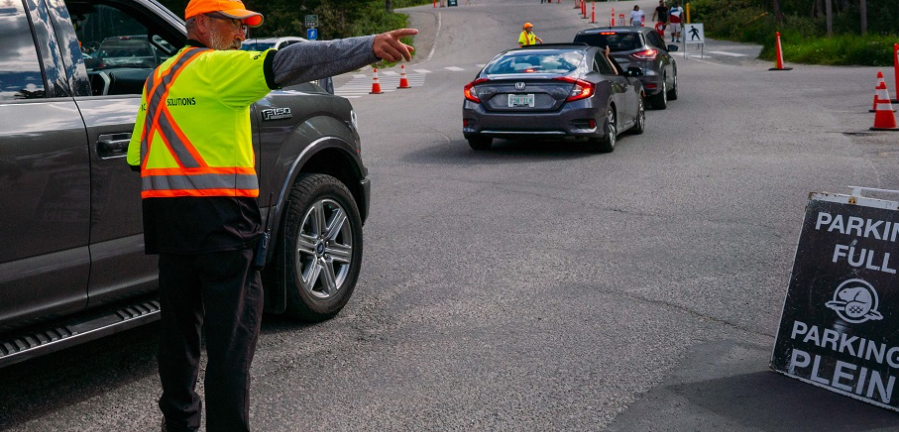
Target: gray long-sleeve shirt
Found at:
x=308, y=61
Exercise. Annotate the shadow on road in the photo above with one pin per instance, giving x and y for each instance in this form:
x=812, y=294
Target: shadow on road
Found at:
x=773, y=402
x=503, y=152
x=726, y=386
x=40, y=386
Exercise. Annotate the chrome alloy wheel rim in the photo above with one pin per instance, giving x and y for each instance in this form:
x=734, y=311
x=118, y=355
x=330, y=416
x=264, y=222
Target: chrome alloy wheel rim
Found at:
x=664, y=92
x=613, y=130
x=641, y=115
x=324, y=249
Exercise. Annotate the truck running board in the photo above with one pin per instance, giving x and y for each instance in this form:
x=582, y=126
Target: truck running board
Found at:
x=38, y=340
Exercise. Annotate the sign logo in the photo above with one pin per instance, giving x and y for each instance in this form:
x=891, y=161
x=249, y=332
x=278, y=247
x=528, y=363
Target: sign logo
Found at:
x=855, y=301
x=520, y=86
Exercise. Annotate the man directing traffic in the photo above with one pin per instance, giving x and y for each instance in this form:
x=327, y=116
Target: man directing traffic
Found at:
x=193, y=147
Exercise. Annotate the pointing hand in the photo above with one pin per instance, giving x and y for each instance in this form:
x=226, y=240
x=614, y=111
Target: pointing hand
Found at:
x=388, y=47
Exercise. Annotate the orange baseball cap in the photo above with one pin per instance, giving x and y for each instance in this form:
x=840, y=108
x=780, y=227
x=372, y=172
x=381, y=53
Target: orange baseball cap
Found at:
x=526, y=25
x=230, y=8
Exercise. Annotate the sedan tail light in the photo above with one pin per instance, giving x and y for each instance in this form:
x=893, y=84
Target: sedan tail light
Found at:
x=649, y=54
x=581, y=90
x=469, y=94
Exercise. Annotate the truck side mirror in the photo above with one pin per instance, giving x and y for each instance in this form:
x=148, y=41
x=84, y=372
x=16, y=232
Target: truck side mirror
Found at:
x=327, y=84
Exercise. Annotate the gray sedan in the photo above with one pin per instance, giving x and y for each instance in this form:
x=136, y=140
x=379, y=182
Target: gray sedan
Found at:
x=553, y=91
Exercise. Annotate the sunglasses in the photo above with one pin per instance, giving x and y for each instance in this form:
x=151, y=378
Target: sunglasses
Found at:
x=237, y=23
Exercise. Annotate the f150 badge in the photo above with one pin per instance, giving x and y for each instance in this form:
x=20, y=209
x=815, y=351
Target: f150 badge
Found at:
x=276, y=114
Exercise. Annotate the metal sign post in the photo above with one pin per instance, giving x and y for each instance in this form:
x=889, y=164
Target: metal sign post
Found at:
x=311, y=22
x=841, y=311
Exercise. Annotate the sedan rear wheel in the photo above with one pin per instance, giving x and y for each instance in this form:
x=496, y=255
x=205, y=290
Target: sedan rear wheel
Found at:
x=323, y=244
x=640, y=124
x=606, y=143
x=659, y=101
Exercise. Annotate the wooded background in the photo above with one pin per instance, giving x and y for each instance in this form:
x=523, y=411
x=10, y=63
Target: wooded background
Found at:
x=336, y=19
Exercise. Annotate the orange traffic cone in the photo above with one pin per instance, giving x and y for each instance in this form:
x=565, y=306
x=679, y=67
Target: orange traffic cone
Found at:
x=375, y=84
x=779, y=61
x=880, y=82
x=404, y=82
x=884, y=119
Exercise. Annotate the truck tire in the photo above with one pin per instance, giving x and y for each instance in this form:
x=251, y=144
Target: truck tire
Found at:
x=323, y=247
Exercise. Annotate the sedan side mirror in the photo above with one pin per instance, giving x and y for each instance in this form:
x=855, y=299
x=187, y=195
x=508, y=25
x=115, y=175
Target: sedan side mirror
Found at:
x=672, y=48
x=634, y=72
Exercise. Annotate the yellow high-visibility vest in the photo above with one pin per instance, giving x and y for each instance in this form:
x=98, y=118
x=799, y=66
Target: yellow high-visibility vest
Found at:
x=527, y=39
x=192, y=136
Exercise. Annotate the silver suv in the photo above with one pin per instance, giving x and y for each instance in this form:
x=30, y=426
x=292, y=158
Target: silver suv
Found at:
x=72, y=262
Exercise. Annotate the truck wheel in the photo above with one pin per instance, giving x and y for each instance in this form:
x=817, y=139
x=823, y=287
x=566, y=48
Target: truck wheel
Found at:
x=323, y=244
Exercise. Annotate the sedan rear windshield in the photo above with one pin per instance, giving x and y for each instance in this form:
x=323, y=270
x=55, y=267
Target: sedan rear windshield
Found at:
x=616, y=41
x=556, y=61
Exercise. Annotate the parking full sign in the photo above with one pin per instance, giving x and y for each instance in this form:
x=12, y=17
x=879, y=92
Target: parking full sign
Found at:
x=312, y=34
x=841, y=314
x=311, y=21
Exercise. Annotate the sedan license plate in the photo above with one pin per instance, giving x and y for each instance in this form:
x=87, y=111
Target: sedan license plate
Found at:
x=525, y=100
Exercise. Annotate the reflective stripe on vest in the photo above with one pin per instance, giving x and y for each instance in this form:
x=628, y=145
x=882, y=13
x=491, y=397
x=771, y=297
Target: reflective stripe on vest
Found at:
x=193, y=177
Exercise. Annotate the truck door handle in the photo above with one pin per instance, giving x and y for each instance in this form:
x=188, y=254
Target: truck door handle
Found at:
x=113, y=145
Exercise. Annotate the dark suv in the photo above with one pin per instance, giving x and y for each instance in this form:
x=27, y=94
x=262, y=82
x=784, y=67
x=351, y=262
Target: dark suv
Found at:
x=72, y=262
x=640, y=47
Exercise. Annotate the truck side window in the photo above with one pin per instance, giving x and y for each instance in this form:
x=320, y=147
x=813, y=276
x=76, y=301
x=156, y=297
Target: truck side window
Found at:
x=119, y=51
x=20, y=69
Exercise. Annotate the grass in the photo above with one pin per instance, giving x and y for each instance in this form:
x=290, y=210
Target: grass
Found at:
x=802, y=37
x=843, y=50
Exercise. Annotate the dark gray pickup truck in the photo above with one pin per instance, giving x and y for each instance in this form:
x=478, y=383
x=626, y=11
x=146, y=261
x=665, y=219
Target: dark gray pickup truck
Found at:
x=72, y=262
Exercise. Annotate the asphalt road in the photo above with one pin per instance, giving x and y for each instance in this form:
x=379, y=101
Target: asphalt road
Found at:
x=539, y=286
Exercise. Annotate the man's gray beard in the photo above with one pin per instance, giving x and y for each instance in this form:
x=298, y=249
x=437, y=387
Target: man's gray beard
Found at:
x=221, y=41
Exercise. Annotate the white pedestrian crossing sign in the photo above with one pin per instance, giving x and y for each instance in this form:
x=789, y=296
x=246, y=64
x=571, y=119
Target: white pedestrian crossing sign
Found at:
x=693, y=34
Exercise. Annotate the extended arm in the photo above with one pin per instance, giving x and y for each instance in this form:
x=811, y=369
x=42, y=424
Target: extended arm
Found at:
x=303, y=62
x=308, y=61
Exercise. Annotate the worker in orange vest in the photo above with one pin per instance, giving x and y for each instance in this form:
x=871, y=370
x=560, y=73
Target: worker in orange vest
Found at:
x=527, y=36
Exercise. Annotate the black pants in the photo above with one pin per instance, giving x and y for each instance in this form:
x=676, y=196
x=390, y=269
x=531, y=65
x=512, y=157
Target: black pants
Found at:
x=223, y=290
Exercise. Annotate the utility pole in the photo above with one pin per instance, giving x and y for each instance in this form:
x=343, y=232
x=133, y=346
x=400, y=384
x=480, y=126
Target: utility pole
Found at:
x=863, y=10
x=828, y=4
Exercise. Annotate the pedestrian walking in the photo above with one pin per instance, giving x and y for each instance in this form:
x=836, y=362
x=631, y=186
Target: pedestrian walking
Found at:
x=637, y=16
x=675, y=18
x=527, y=36
x=661, y=12
x=199, y=191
